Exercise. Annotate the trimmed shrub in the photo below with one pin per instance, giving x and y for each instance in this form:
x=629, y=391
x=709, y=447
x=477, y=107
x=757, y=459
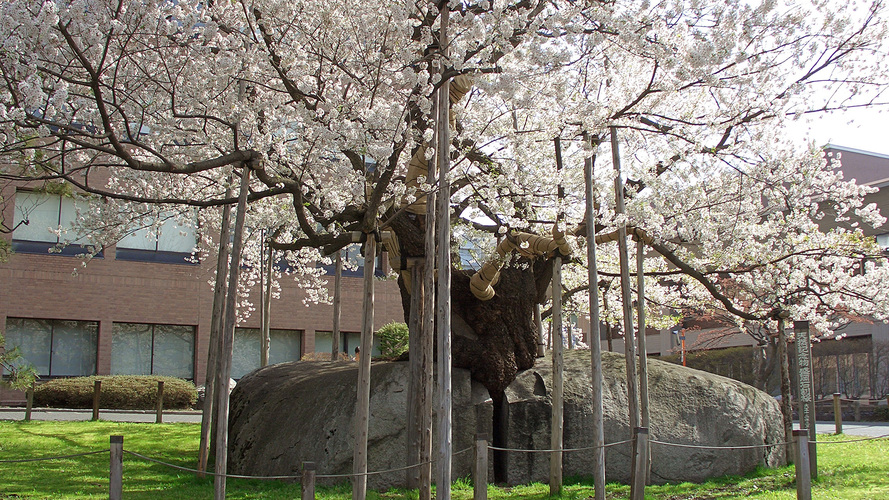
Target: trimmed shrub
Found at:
x=393, y=339
x=119, y=392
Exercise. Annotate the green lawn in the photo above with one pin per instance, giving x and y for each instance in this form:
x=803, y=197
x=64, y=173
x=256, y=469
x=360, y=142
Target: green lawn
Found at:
x=846, y=471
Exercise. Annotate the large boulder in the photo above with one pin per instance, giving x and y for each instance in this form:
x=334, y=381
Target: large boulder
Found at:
x=687, y=406
x=285, y=414
x=288, y=413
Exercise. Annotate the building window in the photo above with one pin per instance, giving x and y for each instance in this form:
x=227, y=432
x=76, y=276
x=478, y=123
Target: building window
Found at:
x=168, y=238
x=44, y=221
x=56, y=348
x=284, y=346
x=348, y=342
x=353, y=261
x=145, y=349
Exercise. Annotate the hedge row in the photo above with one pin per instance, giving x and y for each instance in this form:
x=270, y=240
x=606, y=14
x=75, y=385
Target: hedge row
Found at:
x=122, y=392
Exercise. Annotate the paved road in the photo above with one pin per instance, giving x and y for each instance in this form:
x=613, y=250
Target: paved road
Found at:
x=7, y=413
x=869, y=429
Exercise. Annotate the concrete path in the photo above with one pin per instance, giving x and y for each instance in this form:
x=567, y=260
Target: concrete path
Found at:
x=171, y=416
x=868, y=429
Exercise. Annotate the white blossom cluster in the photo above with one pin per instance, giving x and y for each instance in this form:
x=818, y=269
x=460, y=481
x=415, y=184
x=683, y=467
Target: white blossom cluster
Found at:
x=151, y=106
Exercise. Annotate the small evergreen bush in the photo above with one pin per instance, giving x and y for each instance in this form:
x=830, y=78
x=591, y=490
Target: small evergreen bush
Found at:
x=118, y=392
x=393, y=339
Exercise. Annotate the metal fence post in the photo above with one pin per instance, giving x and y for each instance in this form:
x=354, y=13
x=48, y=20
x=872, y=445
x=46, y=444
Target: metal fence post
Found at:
x=308, y=481
x=480, y=474
x=115, y=483
x=803, y=474
x=97, y=391
x=640, y=463
x=160, y=402
x=837, y=413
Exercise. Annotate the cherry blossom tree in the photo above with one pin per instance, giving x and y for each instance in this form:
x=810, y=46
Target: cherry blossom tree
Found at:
x=149, y=108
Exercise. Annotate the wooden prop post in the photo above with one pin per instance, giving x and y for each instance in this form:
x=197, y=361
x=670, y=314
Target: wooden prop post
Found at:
x=208, y=410
x=480, y=472
x=29, y=402
x=643, y=353
x=629, y=337
x=415, y=380
x=838, y=413
x=307, y=484
x=266, y=295
x=443, y=296
x=362, y=409
x=97, y=393
x=159, y=418
x=555, y=459
x=595, y=337
x=337, y=306
x=785, y=385
x=223, y=373
x=115, y=482
x=640, y=459
x=428, y=335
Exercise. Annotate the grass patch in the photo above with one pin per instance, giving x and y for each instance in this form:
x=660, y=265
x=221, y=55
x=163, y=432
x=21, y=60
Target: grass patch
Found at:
x=846, y=471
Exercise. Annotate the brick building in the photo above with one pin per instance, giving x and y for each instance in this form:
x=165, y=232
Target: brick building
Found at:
x=141, y=307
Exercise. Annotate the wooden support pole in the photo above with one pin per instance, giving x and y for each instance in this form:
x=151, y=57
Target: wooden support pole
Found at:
x=208, y=410
x=838, y=413
x=643, y=349
x=115, y=482
x=428, y=334
x=555, y=458
x=97, y=392
x=443, y=293
x=223, y=372
x=416, y=390
x=595, y=342
x=160, y=402
x=786, y=411
x=362, y=409
x=307, y=483
x=265, y=330
x=337, y=306
x=640, y=461
x=803, y=475
x=29, y=402
x=629, y=337
x=480, y=472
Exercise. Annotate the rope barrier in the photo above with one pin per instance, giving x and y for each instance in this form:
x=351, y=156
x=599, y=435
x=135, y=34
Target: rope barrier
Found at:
x=564, y=450
x=209, y=473
x=700, y=447
x=854, y=440
x=61, y=457
x=318, y=476
x=335, y=476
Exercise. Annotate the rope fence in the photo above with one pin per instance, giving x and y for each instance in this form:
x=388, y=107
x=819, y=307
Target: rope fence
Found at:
x=60, y=457
x=563, y=450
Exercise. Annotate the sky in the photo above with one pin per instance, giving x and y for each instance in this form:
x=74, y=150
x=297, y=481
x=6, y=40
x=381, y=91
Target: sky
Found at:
x=863, y=129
